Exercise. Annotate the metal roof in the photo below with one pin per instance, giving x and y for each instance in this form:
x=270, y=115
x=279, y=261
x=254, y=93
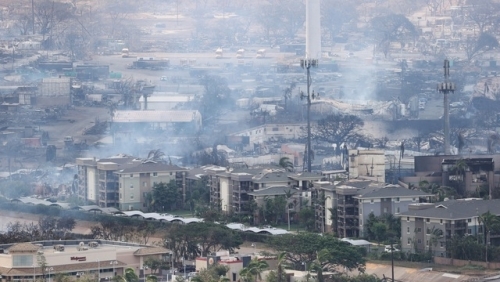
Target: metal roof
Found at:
x=156, y=116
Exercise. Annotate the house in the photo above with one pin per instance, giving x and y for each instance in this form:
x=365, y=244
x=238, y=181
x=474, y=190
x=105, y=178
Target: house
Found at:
x=452, y=218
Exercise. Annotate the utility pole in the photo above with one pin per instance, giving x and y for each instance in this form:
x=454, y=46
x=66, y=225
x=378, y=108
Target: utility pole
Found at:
x=33, y=15
x=446, y=87
x=307, y=64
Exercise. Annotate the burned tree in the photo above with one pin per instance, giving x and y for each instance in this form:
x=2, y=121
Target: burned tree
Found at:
x=337, y=128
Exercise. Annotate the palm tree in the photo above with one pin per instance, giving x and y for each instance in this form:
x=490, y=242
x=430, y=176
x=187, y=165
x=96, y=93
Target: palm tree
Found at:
x=130, y=275
x=459, y=170
x=286, y=164
x=253, y=270
x=436, y=235
x=280, y=266
x=151, y=278
x=491, y=223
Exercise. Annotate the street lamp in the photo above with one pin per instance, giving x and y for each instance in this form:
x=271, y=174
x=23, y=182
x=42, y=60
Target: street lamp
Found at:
x=49, y=269
x=307, y=64
x=445, y=88
x=113, y=263
x=98, y=270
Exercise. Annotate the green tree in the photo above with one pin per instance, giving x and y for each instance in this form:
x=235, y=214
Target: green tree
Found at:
x=306, y=218
x=153, y=263
x=380, y=231
x=303, y=247
x=166, y=195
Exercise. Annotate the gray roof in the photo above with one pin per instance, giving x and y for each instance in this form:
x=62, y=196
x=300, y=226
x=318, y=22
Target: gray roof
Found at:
x=356, y=183
x=390, y=191
x=273, y=191
x=305, y=176
x=455, y=209
x=150, y=167
x=274, y=176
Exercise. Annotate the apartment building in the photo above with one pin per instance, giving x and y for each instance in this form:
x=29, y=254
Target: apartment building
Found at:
x=103, y=181
x=355, y=199
x=97, y=181
x=135, y=182
x=420, y=223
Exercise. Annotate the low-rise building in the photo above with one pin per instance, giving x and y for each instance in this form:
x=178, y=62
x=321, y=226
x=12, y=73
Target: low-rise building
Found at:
x=99, y=258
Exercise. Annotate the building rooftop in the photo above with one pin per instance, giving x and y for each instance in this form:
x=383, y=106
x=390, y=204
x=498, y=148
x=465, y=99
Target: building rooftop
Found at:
x=273, y=191
x=391, y=191
x=150, y=167
x=156, y=116
x=270, y=176
x=455, y=209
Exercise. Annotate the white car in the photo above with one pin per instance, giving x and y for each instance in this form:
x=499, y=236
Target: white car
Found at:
x=163, y=78
x=388, y=249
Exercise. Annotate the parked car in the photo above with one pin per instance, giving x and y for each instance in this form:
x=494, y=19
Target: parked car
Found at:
x=389, y=249
x=187, y=268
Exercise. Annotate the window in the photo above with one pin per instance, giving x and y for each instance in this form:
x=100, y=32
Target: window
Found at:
x=408, y=230
x=441, y=221
x=409, y=241
x=120, y=185
x=131, y=175
x=131, y=197
x=360, y=211
x=361, y=222
x=408, y=218
x=428, y=219
x=144, y=184
x=419, y=241
x=371, y=201
x=22, y=260
x=441, y=244
x=275, y=129
x=155, y=173
x=480, y=230
x=385, y=210
x=131, y=186
x=397, y=199
x=234, y=276
x=413, y=199
x=120, y=195
x=427, y=242
x=419, y=230
x=170, y=173
x=398, y=210
x=469, y=220
x=469, y=231
x=428, y=231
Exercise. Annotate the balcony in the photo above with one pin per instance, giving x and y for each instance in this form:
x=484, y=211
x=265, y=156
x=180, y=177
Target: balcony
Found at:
x=342, y=202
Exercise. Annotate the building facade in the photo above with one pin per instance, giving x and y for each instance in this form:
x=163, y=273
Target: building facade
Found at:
x=426, y=227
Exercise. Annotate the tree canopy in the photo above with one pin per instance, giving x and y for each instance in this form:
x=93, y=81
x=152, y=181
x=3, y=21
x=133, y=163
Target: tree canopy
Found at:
x=304, y=248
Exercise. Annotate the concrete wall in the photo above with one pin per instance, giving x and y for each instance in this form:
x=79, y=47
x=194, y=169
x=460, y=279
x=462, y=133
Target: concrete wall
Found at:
x=459, y=263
